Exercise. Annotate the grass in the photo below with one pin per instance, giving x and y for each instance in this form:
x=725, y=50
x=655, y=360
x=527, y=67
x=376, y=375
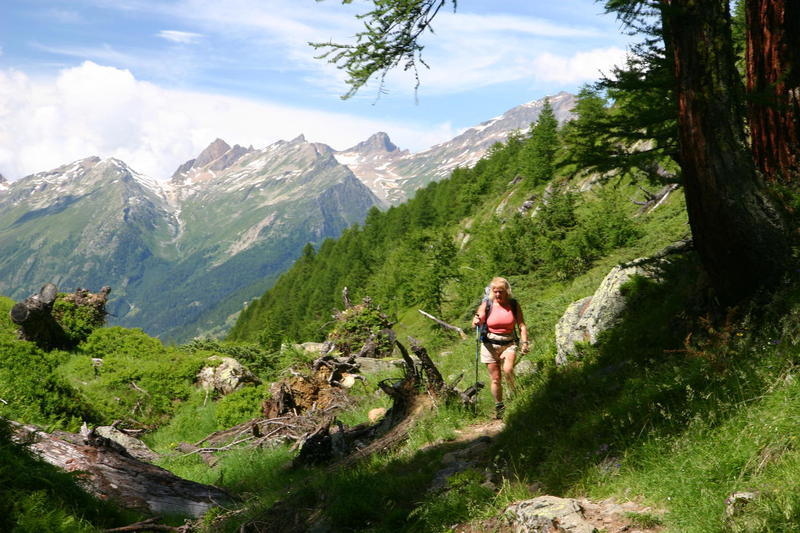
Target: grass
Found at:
x=677, y=407
x=644, y=416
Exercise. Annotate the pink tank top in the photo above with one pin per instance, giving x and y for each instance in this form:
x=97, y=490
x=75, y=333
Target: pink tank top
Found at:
x=500, y=320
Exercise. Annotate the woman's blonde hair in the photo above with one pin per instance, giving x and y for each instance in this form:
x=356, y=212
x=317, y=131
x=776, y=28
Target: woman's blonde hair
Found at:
x=499, y=282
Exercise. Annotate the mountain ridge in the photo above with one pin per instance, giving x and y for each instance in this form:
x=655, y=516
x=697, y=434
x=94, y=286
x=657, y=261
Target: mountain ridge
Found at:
x=228, y=219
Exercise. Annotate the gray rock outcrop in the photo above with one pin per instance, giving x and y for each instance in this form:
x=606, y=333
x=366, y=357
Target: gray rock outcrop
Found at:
x=585, y=319
x=225, y=377
x=548, y=514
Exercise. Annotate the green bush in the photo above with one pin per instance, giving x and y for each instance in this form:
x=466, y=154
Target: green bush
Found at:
x=133, y=377
x=77, y=321
x=358, y=324
x=257, y=359
x=32, y=391
x=241, y=405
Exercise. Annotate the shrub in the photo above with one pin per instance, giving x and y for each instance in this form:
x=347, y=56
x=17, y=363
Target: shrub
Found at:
x=257, y=359
x=137, y=378
x=33, y=393
x=77, y=321
x=240, y=406
x=359, y=324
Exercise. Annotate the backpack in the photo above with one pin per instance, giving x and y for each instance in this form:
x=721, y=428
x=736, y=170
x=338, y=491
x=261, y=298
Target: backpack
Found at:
x=484, y=329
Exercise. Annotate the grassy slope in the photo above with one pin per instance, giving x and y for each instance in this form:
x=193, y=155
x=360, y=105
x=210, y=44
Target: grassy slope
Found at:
x=645, y=415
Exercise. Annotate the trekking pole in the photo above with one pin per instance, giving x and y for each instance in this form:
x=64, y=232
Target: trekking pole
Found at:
x=477, y=350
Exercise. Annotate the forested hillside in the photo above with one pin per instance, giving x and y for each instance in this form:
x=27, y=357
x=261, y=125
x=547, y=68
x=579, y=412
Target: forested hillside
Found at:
x=679, y=414
x=518, y=212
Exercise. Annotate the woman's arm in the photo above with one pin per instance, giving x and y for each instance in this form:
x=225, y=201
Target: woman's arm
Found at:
x=479, y=317
x=523, y=330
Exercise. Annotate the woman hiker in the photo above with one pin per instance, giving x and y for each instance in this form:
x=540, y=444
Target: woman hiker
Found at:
x=498, y=344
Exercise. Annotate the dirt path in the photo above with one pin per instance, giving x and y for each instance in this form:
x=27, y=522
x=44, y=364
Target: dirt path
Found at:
x=608, y=516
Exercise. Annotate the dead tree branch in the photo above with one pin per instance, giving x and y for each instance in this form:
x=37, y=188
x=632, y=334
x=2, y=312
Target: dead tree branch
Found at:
x=444, y=324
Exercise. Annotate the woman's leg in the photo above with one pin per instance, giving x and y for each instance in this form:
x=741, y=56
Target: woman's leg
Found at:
x=496, y=381
x=509, y=359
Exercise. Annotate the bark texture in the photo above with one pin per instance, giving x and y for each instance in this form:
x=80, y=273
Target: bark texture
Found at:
x=773, y=86
x=738, y=229
x=109, y=472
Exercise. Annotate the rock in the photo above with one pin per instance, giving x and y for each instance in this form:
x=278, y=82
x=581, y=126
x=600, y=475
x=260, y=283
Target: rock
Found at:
x=585, y=319
x=226, y=377
x=376, y=414
x=525, y=367
x=314, y=347
x=132, y=445
x=370, y=365
x=737, y=501
x=548, y=514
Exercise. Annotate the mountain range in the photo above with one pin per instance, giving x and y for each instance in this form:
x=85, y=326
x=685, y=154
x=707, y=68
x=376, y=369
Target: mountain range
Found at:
x=183, y=255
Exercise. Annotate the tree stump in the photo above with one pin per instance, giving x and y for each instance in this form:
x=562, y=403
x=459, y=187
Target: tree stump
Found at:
x=37, y=322
x=34, y=317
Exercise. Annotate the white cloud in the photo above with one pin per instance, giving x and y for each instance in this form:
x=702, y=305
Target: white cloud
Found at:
x=582, y=66
x=97, y=110
x=469, y=51
x=181, y=37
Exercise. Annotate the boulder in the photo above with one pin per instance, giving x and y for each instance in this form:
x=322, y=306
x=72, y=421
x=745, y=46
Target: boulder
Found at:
x=548, y=514
x=735, y=503
x=320, y=348
x=136, y=448
x=585, y=319
x=525, y=367
x=225, y=377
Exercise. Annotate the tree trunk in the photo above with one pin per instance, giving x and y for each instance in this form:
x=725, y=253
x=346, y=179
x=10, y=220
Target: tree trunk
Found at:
x=108, y=472
x=773, y=85
x=738, y=230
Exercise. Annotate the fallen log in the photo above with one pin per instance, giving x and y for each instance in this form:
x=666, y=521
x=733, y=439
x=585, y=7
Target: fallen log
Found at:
x=653, y=200
x=330, y=443
x=109, y=472
x=444, y=324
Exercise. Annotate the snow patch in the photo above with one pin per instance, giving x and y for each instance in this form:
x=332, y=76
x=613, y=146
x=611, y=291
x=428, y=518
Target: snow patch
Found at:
x=347, y=158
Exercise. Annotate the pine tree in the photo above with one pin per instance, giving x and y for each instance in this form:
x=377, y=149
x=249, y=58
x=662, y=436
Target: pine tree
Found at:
x=539, y=151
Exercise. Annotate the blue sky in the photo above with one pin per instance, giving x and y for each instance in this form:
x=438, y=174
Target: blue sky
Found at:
x=153, y=82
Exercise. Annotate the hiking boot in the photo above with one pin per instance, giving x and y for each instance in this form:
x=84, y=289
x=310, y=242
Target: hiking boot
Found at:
x=499, y=410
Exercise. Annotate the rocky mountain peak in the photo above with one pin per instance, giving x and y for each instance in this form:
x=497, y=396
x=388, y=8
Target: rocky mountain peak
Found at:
x=212, y=152
x=216, y=157
x=377, y=142
x=298, y=140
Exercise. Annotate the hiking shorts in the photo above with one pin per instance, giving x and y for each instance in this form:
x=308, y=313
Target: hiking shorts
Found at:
x=495, y=353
